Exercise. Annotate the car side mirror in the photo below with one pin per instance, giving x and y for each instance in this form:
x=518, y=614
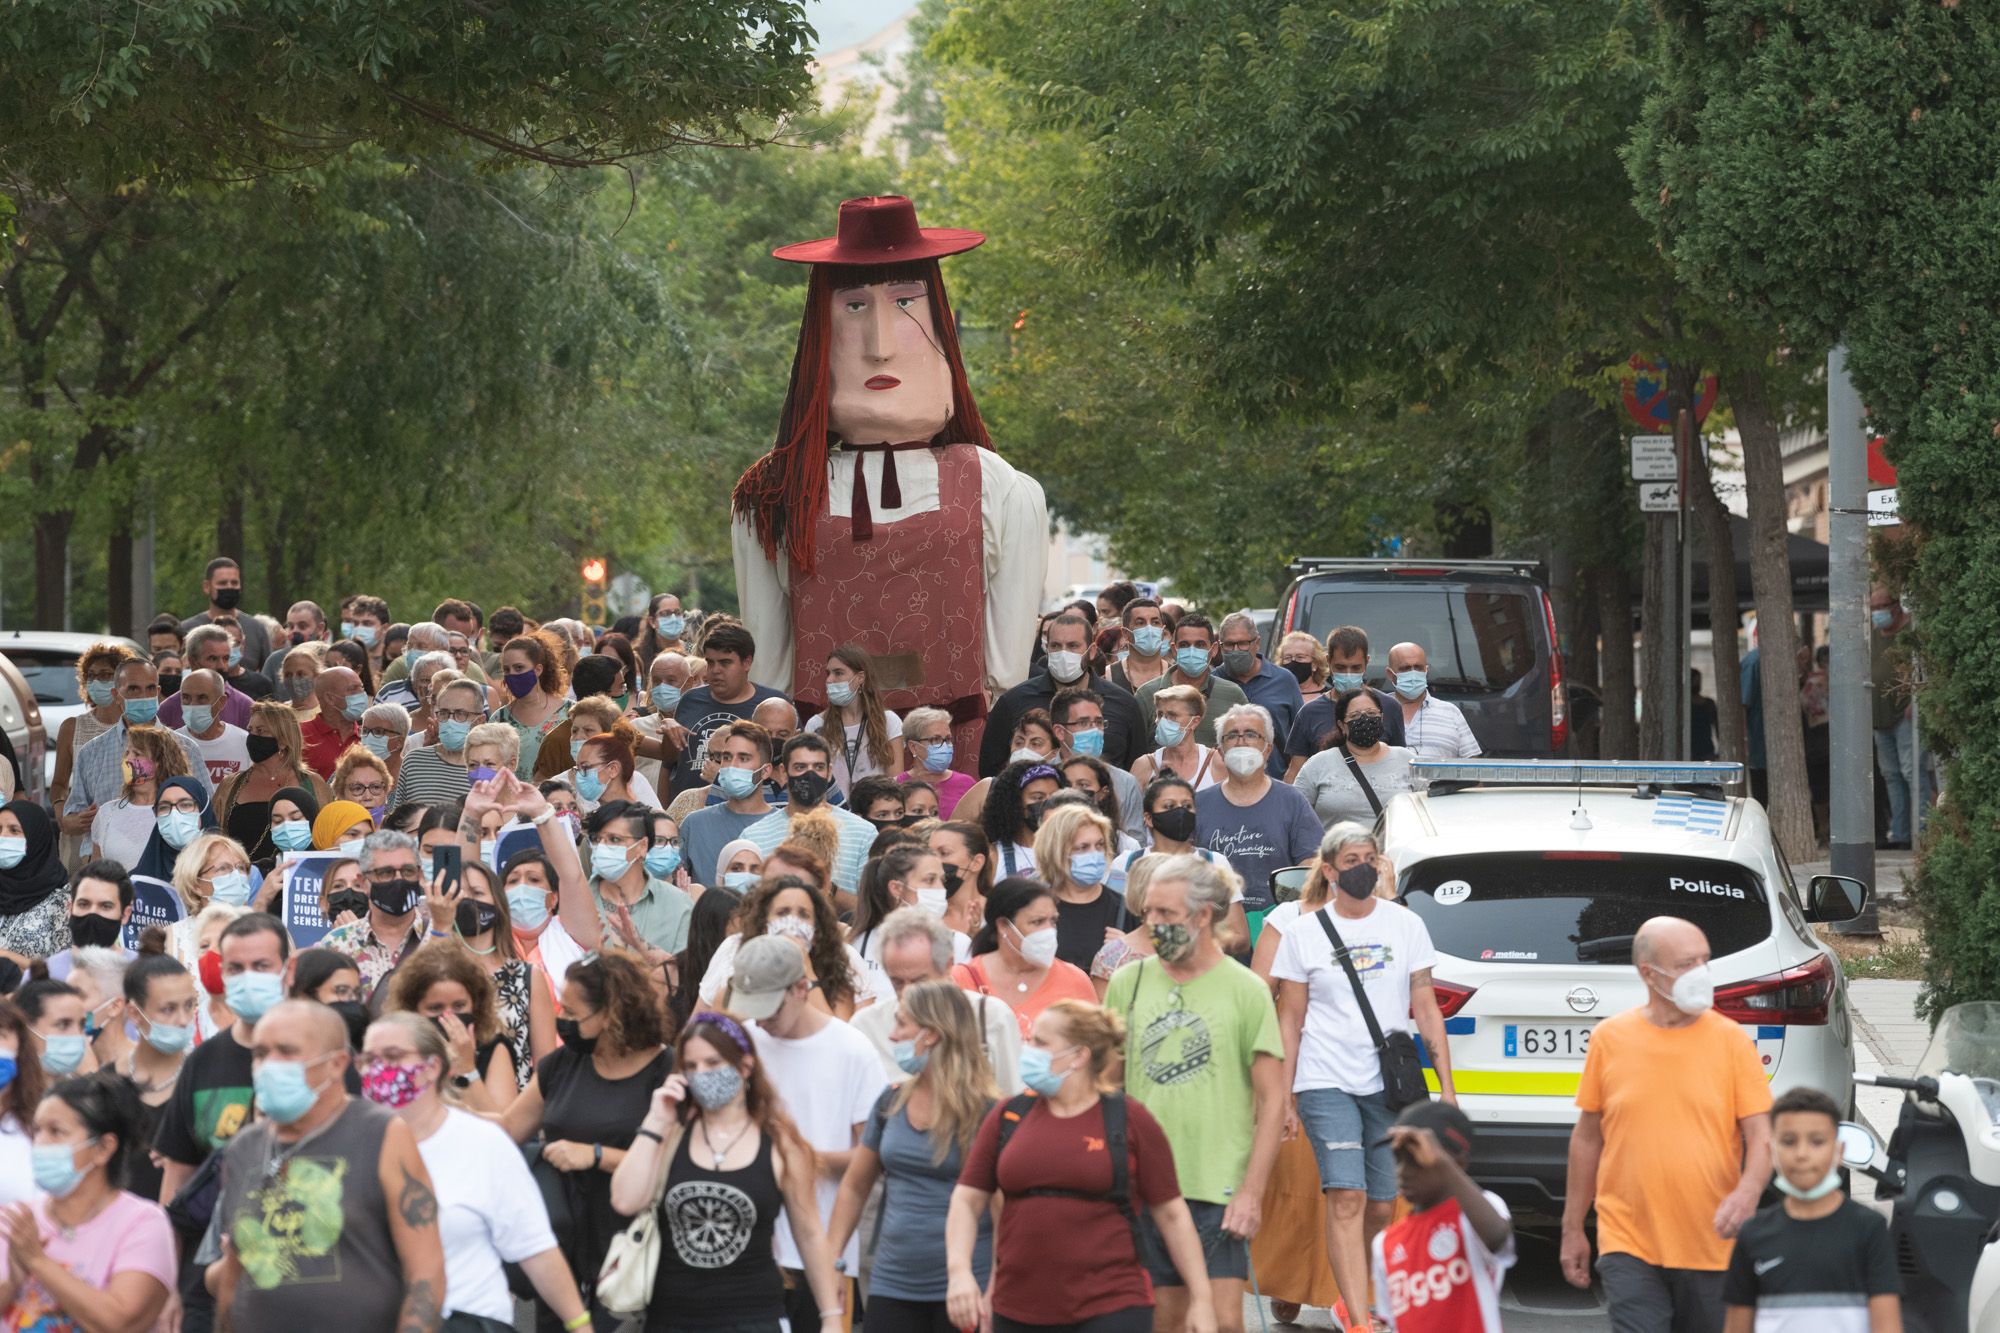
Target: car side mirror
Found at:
x=1289, y=885
x=1835, y=898
x=1857, y=1144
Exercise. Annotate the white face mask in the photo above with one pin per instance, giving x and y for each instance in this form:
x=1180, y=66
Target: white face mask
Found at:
x=1065, y=667
x=796, y=927
x=1027, y=757
x=1693, y=991
x=1242, y=760
x=934, y=901
x=1037, y=946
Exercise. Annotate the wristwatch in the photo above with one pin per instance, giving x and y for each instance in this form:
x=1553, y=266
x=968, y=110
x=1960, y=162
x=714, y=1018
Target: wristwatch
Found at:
x=461, y=1081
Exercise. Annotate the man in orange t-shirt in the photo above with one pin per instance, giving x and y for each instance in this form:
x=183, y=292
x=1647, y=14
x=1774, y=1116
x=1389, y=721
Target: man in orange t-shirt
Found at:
x=1673, y=1146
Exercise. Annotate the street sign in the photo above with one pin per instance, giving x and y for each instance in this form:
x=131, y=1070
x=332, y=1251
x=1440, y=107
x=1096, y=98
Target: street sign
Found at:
x=1653, y=458
x=1882, y=509
x=1646, y=395
x=1659, y=497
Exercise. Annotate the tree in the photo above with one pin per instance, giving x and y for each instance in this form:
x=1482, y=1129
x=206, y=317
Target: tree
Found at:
x=1830, y=166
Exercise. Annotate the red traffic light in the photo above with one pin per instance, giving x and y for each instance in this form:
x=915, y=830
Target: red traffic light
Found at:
x=594, y=569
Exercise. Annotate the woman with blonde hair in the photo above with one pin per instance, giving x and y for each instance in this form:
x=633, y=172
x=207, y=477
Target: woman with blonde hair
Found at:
x=1305, y=657
x=862, y=734
x=917, y=1139
x=1136, y=942
x=96, y=686
x=277, y=761
x=124, y=828
x=1177, y=713
x=213, y=868
x=1062, y=1260
x=1073, y=857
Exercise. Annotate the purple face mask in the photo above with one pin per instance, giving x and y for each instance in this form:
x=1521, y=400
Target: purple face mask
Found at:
x=482, y=773
x=521, y=684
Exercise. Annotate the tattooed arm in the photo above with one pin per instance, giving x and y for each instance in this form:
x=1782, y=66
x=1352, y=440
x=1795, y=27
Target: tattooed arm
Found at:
x=413, y=1225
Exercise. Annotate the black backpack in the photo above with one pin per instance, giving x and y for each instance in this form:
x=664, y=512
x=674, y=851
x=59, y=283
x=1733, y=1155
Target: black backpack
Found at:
x=1120, y=1194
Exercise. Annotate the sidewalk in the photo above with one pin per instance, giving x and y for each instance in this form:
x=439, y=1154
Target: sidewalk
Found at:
x=1893, y=873
x=1889, y=1038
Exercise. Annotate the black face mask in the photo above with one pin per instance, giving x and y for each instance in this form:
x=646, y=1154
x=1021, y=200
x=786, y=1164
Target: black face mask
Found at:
x=807, y=790
x=1175, y=824
x=1301, y=671
x=396, y=897
x=355, y=1015
x=260, y=748
x=1033, y=814
x=1357, y=881
x=437, y=1021
x=1364, y=730
x=229, y=598
x=570, y=1032
x=953, y=877
x=475, y=918
x=907, y=820
x=170, y=683
x=94, y=931
x=346, y=900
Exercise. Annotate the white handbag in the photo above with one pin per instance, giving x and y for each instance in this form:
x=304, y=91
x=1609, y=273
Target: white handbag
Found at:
x=625, y=1280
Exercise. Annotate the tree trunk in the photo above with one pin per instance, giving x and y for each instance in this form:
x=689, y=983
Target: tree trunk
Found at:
x=1724, y=605
x=52, y=528
x=1619, y=736
x=1655, y=623
x=229, y=528
x=118, y=577
x=1771, y=578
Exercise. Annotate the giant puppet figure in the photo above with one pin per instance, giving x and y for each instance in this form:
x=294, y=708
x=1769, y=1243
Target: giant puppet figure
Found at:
x=882, y=517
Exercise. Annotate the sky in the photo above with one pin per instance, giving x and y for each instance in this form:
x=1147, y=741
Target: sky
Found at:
x=842, y=23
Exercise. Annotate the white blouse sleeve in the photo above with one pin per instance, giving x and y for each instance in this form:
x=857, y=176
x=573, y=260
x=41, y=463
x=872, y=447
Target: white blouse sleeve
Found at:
x=763, y=594
x=1016, y=521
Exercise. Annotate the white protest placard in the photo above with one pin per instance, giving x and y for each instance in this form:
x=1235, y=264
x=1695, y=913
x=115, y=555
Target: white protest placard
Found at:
x=154, y=903
x=299, y=900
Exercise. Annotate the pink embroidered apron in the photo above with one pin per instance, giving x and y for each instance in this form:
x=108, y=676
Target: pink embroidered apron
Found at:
x=912, y=593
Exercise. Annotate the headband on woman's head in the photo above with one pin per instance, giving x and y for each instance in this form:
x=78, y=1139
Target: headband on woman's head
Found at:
x=727, y=1024
x=1039, y=771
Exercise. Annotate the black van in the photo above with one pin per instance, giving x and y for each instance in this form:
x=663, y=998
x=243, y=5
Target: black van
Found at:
x=1487, y=626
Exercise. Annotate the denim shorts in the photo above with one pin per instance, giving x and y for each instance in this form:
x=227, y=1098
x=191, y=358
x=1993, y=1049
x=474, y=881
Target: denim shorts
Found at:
x=1227, y=1256
x=1343, y=1128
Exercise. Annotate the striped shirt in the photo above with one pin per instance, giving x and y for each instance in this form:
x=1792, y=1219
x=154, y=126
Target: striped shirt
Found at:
x=428, y=778
x=100, y=777
x=856, y=835
x=1439, y=731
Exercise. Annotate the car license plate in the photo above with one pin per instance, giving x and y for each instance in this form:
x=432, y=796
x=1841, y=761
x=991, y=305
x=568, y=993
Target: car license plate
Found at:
x=1557, y=1041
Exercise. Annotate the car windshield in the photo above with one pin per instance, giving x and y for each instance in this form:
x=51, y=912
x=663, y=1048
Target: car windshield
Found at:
x=51, y=674
x=1478, y=639
x=1569, y=907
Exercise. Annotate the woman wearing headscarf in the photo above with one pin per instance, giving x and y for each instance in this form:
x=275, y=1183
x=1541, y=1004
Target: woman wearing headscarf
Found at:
x=340, y=822
x=34, y=906
x=293, y=810
x=175, y=826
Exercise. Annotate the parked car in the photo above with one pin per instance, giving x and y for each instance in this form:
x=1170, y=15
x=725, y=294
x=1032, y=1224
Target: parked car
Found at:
x=46, y=661
x=27, y=744
x=1487, y=626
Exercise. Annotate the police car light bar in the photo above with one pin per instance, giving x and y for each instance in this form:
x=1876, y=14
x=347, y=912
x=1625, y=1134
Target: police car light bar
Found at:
x=1575, y=773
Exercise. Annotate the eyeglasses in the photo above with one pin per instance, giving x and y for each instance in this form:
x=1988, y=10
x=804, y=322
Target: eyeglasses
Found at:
x=1243, y=738
x=386, y=733
x=180, y=807
x=460, y=714
x=666, y=842
x=365, y=792
x=390, y=874
x=1240, y=645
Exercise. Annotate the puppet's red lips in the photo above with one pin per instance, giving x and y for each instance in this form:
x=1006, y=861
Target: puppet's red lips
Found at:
x=881, y=382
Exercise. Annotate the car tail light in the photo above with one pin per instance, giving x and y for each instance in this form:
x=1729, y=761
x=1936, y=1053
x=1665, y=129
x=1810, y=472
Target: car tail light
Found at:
x=1558, y=704
x=1796, y=995
x=1291, y=612
x=1450, y=998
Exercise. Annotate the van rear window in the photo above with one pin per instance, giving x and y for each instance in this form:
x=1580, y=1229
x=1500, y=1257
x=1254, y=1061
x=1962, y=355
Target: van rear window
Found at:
x=1545, y=907
x=1478, y=639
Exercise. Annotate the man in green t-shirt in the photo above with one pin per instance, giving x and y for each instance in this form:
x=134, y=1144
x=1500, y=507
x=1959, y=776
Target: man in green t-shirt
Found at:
x=1202, y=1051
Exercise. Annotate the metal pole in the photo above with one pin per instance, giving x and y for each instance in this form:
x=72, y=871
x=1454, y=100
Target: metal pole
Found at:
x=1684, y=688
x=1917, y=811
x=1849, y=715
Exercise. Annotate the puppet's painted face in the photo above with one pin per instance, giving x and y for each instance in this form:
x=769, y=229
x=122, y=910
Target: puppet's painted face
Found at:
x=890, y=382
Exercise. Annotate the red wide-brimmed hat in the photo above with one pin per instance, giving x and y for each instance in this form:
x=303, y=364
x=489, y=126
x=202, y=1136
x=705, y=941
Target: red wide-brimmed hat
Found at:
x=880, y=229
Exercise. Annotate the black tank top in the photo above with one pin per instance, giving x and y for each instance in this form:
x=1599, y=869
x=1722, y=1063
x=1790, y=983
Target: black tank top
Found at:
x=716, y=1263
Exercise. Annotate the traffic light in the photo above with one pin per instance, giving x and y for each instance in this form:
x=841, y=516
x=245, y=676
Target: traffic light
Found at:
x=596, y=580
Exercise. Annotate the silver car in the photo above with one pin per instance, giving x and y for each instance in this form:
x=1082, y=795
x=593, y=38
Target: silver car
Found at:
x=46, y=660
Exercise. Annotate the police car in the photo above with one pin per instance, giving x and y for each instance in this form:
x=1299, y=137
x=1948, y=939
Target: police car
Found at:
x=1533, y=876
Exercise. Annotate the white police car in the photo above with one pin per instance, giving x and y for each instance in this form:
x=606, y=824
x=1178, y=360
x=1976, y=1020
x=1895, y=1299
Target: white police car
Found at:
x=1532, y=877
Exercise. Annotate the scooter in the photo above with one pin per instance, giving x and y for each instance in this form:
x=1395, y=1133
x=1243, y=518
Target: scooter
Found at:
x=1942, y=1173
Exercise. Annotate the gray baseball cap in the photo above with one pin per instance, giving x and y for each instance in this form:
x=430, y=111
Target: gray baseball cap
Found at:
x=766, y=967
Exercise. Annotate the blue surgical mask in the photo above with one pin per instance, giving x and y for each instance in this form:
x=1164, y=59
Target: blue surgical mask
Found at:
x=98, y=692
x=282, y=1090
x=199, y=717
x=9, y=1067
x=231, y=887
x=1168, y=733
x=589, y=786
x=375, y=744
x=1035, y=1071
x=250, y=994
x=740, y=880
x=62, y=1054
x=1411, y=684
x=452, y=734
x=170, y=1038
x=576, y=744
x=1088, y=743
x=361, y=634
x=528, y=905
x=1149, y=640
x=1088, y=868
x=736, y=783
x=353, y=706
x=938, y=756
x=1343, y=681
x=672, y=627
x=141, y=712
x=294, y=835
x=1882, y=617
x=1191, y=661
x=13, y=851
x=347, y=630
x=178, y=828
x=487, y=846
x=235, y=656
x=410, y=656
x=350, y=848
x=55, y=1168
x=907, y=1057
x=609, y=862
x=662, y=861
x=666, y=698
x=840, y=693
